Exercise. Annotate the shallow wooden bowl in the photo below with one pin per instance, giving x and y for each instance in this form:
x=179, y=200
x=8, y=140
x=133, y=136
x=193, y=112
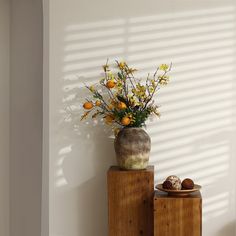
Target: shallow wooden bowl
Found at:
x=182, y=192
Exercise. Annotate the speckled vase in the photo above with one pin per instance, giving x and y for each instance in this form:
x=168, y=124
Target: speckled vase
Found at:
x=132, y=147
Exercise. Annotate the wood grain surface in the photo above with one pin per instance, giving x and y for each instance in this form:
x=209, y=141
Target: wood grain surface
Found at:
x=130, y=202
x=177, y=216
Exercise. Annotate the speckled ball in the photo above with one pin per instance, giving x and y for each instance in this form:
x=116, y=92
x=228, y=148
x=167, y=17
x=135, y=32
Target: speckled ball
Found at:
x=167, y=185
x=175, y=181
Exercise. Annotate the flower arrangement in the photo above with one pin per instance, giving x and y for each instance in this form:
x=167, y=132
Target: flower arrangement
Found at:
x=122, y=99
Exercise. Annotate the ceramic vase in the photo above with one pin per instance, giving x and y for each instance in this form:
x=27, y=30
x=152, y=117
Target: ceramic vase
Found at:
x=132, y=147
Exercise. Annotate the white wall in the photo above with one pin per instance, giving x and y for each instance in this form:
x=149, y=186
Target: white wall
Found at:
x=4, y=120
x=26, y=117
x=196, y=134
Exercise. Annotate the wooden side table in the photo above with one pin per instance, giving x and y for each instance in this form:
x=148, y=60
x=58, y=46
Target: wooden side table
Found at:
x=177, y=216
x=130, y=202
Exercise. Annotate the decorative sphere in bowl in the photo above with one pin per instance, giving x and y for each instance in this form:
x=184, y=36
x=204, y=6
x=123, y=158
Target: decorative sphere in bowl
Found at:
x=175, y=181
x=187, y=184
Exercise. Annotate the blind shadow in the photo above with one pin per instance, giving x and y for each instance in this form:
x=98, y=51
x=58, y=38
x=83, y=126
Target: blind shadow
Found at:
x=196, y=134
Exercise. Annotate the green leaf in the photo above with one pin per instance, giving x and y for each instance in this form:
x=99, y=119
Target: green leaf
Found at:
x=120, y=76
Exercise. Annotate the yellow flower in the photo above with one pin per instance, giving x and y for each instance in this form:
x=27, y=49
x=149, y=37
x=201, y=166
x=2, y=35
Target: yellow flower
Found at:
x=141, y=88
x=121, y=65
x=98, y=103
x=163, y=80
x=157, y=113
x=164, y=67
x=111, y=75
x=153, y=82
x=151, y=89
x=131, y=70
x=119, y=84
x=91, y=88
x=132, y=99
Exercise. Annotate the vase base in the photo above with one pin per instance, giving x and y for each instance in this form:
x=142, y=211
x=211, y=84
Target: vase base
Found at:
x=133, y=162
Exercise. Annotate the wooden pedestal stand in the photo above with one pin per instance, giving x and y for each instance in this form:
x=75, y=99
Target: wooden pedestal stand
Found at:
x=177, y=216
x=130, y=202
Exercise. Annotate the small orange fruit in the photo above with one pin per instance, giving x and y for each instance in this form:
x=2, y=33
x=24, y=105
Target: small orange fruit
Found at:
x=110, y=106
x=121, y=106
x=110, y=84
x=109, y=119
x=125, y=121
x=88, y=105
x=98, y=103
